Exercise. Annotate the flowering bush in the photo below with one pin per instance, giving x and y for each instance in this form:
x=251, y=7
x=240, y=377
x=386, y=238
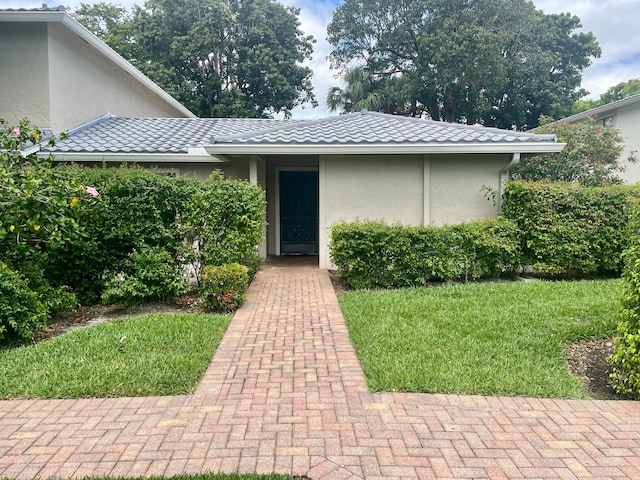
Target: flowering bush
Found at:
x=224, y=287
x=591, y=156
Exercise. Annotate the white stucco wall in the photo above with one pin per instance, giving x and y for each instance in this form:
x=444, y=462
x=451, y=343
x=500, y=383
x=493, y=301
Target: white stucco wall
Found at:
x=405, y=189
x=627, y=120
x=57, y=80
x=455, y=187
x=24, y=73
x=84, y=85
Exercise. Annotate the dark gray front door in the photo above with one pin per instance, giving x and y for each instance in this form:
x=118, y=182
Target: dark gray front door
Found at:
x=298, y=213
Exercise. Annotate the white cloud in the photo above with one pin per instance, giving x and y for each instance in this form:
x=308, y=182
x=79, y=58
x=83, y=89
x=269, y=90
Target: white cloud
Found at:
x=615, y=25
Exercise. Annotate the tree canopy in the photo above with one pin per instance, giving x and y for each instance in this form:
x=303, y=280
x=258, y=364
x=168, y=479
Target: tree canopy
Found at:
x=220, y=58
x=617, y=92
x=495, y=62
x=591, y=157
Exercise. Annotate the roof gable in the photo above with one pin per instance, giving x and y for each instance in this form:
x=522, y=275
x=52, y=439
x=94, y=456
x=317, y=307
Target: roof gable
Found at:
x=58, y=15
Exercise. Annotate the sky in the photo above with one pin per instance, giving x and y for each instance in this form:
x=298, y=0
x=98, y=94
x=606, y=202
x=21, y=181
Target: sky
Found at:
x=613, y=22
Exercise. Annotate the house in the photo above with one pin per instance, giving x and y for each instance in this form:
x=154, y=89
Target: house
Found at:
x=59, y=75
x=625, y=116
x=315, y=172
x=319, y=172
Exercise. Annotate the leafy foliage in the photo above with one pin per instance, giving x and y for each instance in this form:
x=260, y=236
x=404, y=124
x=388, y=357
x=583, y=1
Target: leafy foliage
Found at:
x=39, y=216
x=224, y=287
x=528, y=63
x=568, y=228
x=591, y=156
x=617, y=92
x=625, y=361
x=224, y=220
x=136, y=209
x=374, y=254
x=20, y=309
x=220, y=58
x=150, y=273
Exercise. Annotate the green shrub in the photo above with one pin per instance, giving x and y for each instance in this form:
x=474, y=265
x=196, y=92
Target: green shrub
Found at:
x=568, y=228
x=225, y=221
x=136, y=208
x=224, y=287
x=374, y=254
x=20, y=310
x=150, y=273
x=625, y=361
x=53, y=298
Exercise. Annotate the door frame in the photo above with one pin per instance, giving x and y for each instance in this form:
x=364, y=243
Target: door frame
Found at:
x=277, y=201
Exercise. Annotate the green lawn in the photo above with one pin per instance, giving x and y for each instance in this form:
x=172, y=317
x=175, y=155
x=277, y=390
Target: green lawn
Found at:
x=481, y=338
x=160, y=354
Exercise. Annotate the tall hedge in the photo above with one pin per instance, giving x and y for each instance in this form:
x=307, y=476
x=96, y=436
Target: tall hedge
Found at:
x=568, y=228
x=134, y=209
x=373, y=254
x=625, y=361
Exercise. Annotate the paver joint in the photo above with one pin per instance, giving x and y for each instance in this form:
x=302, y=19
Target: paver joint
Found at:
x=285, y=393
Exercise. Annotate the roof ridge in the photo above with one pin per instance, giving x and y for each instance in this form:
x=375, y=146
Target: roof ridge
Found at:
x=282, y=124
x=461, y=126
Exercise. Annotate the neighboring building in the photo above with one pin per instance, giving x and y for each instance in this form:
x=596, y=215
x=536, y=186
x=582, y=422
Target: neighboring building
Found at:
x=319, y=172
x=57, y=74
x=625, y=116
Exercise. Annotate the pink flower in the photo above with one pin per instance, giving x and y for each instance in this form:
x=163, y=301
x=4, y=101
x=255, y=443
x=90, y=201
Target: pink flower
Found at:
x=16, y=132
x=92, y=191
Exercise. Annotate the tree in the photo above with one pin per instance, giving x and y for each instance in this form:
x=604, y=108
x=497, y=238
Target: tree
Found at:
x=220, y=58
x=496, y=62
x=613, y=94
x=110, y=23
x=590, y=158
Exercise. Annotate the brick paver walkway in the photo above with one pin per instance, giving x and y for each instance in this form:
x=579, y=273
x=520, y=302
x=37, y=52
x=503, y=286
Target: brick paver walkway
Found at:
x=286, y=394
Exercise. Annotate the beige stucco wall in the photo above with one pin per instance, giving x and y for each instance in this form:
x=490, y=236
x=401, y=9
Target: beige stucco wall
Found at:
x=85, y=85
x=57, y=80
x=405, y=189
x=627, y=120
x=24, y=73
x=456, y=183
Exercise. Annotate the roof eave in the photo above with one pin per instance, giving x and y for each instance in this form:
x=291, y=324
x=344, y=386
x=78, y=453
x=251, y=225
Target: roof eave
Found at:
x=387, y=148
x=120, y=157
x=602, y=109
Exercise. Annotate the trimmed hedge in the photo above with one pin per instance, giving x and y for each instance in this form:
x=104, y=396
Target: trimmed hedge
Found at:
x=376, y=255
x=119, y=235
x=185, y=220
x=568, y=228
x=625, y=361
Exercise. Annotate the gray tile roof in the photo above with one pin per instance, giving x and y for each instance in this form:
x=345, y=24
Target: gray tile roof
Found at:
x=111, y=134
x=378, y=128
